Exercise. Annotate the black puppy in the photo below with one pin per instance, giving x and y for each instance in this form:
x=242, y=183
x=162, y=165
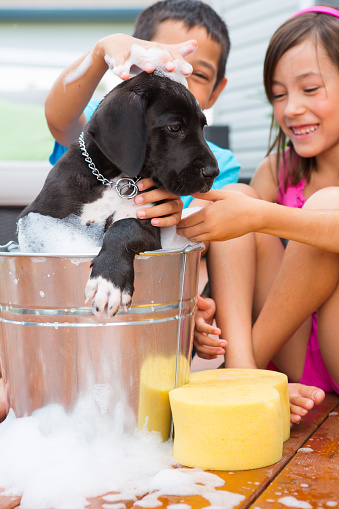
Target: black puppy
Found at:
x=148, y=126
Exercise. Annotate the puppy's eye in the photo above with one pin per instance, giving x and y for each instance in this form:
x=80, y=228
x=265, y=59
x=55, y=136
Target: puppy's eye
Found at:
x=174, y=128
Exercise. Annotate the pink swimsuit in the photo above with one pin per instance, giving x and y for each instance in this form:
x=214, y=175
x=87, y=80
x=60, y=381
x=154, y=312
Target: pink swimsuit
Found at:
x=315, y=371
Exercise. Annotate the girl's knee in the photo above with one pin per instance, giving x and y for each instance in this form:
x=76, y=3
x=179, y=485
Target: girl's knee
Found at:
x=326, y=198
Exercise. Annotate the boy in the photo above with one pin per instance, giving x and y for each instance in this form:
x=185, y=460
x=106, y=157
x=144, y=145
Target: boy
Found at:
x=168, y=22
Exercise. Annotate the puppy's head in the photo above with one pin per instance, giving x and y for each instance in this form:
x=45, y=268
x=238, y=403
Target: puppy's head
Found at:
x=153, y=127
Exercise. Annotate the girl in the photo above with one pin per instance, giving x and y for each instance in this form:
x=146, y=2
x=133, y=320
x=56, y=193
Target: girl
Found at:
x=292, y=296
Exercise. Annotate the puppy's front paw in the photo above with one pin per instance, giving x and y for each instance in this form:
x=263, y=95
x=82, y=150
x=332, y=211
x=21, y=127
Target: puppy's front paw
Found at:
x=105, y=297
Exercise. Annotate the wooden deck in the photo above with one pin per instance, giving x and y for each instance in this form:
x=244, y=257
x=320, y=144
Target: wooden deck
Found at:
x=307, y=477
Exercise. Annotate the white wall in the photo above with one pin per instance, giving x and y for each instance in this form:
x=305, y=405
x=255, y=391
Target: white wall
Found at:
x=243, y=105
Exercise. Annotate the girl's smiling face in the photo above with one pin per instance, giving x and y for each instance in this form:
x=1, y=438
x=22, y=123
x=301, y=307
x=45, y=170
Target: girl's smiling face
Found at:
x=305, y=91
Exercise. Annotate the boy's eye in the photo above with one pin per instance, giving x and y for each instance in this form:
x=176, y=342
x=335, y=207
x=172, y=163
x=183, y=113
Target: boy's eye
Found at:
x=174, y=128
x=310, y=90
x=201, y=76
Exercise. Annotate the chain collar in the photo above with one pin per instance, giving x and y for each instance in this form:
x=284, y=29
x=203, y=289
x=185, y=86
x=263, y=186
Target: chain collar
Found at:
x=125, y=187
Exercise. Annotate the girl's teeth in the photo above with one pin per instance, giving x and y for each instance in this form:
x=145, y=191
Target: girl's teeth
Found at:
x=305, y=131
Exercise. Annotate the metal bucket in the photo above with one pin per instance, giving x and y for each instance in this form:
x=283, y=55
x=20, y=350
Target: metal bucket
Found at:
x=53, y=350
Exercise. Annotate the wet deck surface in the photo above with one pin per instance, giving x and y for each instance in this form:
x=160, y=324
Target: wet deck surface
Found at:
x=307, y=476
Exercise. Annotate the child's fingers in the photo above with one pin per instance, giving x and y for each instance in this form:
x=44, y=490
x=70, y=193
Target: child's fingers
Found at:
x=202, y=341
x=156, y=195
x=187, y=47
x=207, y=357
x=168, y=208
x=183, y=67
x=203, y=304
x=169, y=65
x=207, y=352
x=164, y=222
x=202, y=326
x=145, y=184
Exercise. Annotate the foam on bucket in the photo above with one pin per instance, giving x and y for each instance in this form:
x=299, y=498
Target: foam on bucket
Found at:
x=56, y=460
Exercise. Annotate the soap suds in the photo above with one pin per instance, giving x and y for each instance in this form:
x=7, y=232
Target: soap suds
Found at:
x=79, y=71
x=45, y=234
x=293, y=502
x=190, y=482
x=58, y=460
x=143, y=59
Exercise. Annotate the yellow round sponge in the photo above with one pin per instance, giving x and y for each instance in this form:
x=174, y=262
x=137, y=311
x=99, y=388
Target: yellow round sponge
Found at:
x=230, y=419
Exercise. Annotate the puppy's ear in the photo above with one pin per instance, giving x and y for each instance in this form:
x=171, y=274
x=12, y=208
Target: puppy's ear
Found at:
x=118, y=128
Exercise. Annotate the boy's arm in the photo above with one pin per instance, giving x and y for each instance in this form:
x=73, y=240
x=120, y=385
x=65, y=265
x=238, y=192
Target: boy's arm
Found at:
x=75, y=86
x=68, y=97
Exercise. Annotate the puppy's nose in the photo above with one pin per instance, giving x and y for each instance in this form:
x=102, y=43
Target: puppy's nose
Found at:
x=209, y=172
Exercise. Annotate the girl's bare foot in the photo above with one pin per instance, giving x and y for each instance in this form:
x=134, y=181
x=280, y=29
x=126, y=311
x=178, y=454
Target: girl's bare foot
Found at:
x=302, y=399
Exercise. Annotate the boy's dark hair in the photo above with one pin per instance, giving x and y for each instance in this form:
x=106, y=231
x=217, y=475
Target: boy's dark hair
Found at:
x=192, y=13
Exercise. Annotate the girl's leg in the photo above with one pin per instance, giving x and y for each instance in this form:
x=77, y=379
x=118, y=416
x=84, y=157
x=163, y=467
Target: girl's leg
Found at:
x=328, y=312
x=307, y=281
x=241, y=272
x=231, y=270
x=328, y=327
x=234, y=319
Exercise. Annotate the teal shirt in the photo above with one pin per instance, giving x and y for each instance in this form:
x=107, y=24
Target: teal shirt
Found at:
x=228, y=165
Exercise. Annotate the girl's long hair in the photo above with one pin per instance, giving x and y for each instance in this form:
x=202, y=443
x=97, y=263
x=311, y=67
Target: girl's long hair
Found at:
x=321, y=29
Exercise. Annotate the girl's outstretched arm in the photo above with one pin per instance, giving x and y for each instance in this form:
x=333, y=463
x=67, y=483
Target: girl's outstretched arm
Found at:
x=233, y=214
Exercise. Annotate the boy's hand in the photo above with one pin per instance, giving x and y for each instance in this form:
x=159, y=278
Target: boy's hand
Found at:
x=206, y=346
x=167, y=213
x=148, y=56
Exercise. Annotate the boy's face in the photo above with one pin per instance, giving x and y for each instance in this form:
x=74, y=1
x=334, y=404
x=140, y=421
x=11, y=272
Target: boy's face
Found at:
x=204, y=60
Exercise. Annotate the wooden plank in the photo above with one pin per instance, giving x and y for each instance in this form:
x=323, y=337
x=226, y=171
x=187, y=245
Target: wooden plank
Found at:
x=261, y=485
x=311, y=479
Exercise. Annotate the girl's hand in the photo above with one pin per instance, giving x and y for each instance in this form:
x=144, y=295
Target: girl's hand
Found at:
x=167, y=213
x=206, y=346
x=148, y=56
x=231, y=214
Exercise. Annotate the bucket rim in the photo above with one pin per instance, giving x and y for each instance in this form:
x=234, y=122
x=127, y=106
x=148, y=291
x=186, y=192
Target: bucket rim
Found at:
x=11, y=249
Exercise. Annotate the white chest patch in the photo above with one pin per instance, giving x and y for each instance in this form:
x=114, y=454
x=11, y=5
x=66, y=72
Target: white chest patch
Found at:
x=109, y=204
